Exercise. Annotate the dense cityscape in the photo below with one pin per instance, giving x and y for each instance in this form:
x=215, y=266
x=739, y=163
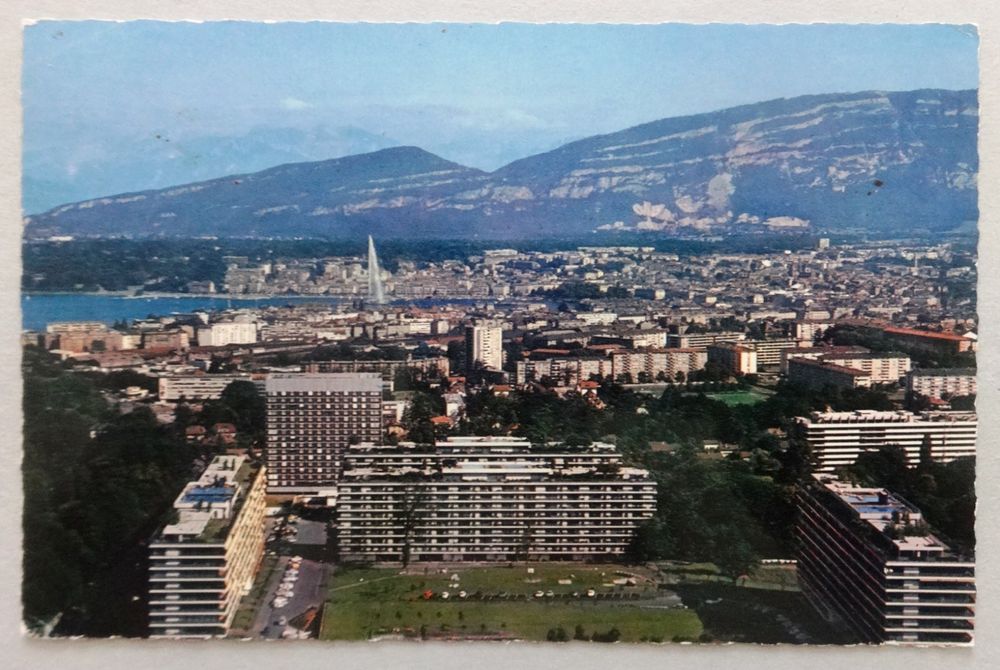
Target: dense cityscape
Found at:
x=600, y=442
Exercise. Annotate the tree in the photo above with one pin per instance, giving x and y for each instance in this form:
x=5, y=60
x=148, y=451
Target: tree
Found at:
x=926, y=452
x=409, y=513
x=733, y=555
x=651, y=541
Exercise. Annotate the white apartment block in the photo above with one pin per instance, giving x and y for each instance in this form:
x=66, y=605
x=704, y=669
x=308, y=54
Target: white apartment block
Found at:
x=809, y=330
x=867, y=555
x=816, y=353
x=561, y=371
x=941, y=382
x=701, y=340
x=657, y=363
x=489, y=499
x=883, y=368
x=484, y=346
x=222, y=334
x=769, y=351
x=202, y=565
x=173, y=388
x=838, y=438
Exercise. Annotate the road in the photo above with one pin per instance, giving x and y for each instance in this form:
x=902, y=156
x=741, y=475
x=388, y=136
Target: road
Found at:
x=309, y=592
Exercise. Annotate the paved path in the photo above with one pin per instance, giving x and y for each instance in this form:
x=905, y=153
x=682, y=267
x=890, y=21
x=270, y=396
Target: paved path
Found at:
x=308, y=591
x=263, y=617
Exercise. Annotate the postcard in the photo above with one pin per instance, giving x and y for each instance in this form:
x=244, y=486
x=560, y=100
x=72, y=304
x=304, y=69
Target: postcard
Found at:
x=569, y=334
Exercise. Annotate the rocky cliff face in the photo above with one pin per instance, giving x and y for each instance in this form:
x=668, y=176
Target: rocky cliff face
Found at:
x=890, y=162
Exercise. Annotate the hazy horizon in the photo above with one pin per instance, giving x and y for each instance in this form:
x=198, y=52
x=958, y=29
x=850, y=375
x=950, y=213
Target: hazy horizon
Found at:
x=116, y=107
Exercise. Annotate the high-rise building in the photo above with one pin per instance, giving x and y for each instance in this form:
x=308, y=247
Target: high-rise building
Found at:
x=201, y=565
x=869, y=556
x=489, y=499
x=838, y=438
x=311, y=418
x=483, y=346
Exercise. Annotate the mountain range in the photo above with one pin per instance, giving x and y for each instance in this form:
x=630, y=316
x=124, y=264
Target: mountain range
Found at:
x=889, y=162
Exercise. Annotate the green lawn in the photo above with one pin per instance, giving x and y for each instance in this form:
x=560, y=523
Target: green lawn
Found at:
x=772, y=576
x=732, y=398
x=389, y=603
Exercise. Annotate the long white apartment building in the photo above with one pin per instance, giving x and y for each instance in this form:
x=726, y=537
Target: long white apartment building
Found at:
x=816, y=353
x=202, y=564
x=489, y=499
x=769, y=351
x=883, y=367
x=941, y=382
x=868, y=555
x=562, y=371
x=227, y=332
x=172, y=388
x=838, y=438
x=701, y=340
x=657, y=363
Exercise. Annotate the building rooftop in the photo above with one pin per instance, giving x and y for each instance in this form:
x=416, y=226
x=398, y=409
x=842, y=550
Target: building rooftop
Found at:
x=899, y=416
x=892, y=330
x=887, y=513
x=206, y=507
x=487, y=459
x=826, y=365
x=362, y=382
x=944, y=372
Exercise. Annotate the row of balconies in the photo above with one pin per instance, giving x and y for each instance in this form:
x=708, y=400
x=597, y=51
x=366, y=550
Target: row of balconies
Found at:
x=492, y=528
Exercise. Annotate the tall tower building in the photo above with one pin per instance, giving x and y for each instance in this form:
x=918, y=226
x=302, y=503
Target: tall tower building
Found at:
x=311, y=419
x=483, y=346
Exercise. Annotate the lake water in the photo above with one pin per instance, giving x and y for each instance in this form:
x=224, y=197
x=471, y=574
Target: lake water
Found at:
x=39, y=310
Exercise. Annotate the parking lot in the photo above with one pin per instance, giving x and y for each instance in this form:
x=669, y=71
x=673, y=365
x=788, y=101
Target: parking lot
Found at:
x=298, y=580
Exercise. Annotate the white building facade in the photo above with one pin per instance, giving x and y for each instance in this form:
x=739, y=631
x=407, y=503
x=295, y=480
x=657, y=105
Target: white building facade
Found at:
x=838, y=438
x=489, y=499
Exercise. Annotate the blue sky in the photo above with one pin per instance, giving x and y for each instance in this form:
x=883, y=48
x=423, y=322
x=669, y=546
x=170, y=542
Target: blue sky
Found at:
x=481, y=95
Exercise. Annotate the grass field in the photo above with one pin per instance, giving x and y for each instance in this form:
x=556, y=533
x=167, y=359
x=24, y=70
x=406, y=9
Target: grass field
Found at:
x=731, y=398
x=774, y=577
x=366, y=603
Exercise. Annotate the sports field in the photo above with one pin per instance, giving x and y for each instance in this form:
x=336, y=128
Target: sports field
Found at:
x=749, y=397
x=504, y=603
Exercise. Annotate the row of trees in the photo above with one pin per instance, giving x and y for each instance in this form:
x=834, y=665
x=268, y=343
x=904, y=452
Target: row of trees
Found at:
x=96, y=484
